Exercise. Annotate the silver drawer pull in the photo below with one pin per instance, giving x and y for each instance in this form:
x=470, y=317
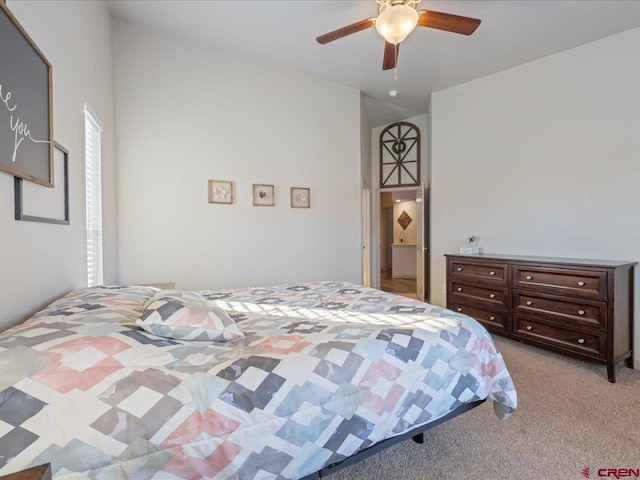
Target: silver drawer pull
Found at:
x=493, y=295
x=581, y=283
x=459, y=289
x=529, y=302
x=492, y=318
x=459, y=269
x=459, y=309
x=529, y=277
x=581, y=312
x=492, y=273
x=529, y=327
x=581, y=340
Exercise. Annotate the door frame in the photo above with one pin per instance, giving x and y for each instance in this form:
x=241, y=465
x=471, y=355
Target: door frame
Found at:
x=376, y=241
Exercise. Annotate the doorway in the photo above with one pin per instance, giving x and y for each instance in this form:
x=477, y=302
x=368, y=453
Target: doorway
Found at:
x=401, y=242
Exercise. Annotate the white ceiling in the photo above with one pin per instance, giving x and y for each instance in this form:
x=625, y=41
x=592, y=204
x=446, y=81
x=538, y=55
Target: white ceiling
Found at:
x=283, y=32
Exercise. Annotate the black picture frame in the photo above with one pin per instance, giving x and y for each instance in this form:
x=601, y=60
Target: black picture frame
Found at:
x=19, y=200
x=26, y=104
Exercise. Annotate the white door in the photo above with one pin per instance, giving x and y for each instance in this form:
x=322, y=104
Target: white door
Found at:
x=420, y=242
x=366, y=234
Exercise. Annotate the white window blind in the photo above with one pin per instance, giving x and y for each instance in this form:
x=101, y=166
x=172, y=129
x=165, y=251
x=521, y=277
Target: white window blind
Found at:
x=93, y=165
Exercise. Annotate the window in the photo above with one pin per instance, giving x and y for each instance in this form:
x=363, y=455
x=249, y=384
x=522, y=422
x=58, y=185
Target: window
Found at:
x=93, y=165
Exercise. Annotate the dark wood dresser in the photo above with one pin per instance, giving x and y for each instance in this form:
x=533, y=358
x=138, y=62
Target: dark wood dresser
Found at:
x=582, y=308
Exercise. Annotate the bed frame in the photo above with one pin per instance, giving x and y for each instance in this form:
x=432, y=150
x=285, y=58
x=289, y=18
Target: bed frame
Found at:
x=43, y=472
x=417, y=434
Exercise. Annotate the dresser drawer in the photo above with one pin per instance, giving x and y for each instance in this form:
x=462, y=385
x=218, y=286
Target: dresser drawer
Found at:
x=569, y=311
x=488, y=294
x=493, y=320
x=592, y=344
x=579, y=283
x=479, y=271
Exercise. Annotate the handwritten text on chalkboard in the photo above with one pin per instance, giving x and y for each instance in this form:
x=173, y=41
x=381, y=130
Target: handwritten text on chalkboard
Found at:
x=19, y=128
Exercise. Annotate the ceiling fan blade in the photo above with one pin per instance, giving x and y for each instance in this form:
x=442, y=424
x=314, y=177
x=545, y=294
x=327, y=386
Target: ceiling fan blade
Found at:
x=344, y=31
x=448, y=22
x=390, y=57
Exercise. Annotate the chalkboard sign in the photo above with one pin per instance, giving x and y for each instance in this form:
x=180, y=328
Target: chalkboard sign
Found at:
x=26, y=112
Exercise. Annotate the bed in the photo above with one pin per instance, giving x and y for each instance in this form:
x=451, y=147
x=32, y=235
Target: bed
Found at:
x=303, y=378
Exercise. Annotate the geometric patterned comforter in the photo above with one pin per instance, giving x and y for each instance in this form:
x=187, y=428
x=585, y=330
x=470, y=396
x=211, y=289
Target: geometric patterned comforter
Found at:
x=325, y=369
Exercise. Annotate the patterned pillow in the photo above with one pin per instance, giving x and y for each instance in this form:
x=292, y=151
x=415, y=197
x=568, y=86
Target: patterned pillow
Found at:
x=187, y=316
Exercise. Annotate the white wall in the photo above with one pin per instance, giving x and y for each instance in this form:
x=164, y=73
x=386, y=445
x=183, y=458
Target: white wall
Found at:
x=365, y=143
x=542, y=159
x=40, y=262
x=185, y=114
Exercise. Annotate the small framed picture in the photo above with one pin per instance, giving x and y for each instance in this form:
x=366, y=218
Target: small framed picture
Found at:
x=220, y=191
x=263, y=195
x=300, y=197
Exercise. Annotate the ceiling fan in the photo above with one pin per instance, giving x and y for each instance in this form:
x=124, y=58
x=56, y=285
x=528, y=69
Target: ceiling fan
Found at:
x=396, y=19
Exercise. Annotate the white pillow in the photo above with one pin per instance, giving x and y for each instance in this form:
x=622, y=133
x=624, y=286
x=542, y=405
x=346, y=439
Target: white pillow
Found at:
x=187, y=316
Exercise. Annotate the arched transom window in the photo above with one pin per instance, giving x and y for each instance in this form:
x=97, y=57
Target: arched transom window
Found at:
x=400, y=155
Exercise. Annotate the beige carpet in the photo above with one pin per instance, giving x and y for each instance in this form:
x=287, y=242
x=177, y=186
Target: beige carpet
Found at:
x=569, y=418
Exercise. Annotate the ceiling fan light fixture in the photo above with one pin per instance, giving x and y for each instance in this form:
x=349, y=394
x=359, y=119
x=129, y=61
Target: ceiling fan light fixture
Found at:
x=395, y=22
